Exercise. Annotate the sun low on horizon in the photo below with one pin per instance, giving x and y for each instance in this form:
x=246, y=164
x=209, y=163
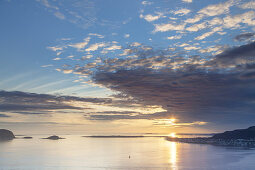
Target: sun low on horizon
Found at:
x=127, y=67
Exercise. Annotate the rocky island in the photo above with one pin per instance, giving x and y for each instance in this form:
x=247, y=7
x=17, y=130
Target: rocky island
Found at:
x=6, y=135
x=235, y=138
x=54, y=137
x=27, y=137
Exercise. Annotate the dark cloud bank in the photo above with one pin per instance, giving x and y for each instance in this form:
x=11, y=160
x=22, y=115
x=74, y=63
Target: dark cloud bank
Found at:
x=33, y=103
x=244, y=36
x=220, y=90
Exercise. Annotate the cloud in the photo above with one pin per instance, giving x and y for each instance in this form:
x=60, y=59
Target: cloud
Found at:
x=59, y=15
x=81, y=45
x=187, y=1
x=207, y=34
x=217, y=9
x=168, y=27
x=48, y=65
x=174, y=124
x=95, y=46
x=217, y=49
x=57, y=58
x=120, y=115
x=127, y=35
x=248, y=5
x=112, y=115
x=97, y=35
x=113, y=47
x=235, y=56
x=217, y=24
x=197, y=27
x=147, y=3
x=235, y=21
x=47, y=4
x=67, y=71
x=211, y=10
x=182, y=12
x=244, y=36
x=150, y=17
x=81, y=13
x=174, y=37
x=248, y=75
x=33, y=103
x=190, y=88
x=193, y=95
x=4, y=115
x=191, y=48
x=55, y=48
x=195, y=19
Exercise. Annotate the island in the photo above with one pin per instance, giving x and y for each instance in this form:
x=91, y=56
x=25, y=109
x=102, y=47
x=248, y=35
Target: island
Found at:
x=6, y=135
x=27, y=137
x=235, y=138
x=53, y=137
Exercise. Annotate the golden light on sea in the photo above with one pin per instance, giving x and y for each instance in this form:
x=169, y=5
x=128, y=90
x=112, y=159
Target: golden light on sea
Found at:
x=172, y=154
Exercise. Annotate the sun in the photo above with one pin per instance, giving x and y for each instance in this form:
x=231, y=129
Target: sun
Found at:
x=172, y=135
x=172, y=120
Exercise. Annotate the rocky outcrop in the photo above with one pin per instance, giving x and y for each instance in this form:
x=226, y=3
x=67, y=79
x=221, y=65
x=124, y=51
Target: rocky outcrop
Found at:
x=54, y=137
x=6, y=135
x=27, y=137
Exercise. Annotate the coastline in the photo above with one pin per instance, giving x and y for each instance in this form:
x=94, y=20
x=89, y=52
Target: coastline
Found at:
x=248, y=143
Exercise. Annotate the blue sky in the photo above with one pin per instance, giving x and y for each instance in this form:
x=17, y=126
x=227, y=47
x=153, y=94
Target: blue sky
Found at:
x=162, y=58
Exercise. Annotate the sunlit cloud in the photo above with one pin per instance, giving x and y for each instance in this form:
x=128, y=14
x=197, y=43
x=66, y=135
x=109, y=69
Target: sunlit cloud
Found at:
x=174, y=37
x=147, y=2
x=48, y=65
x=168, y=27
x=150, y=17
x=248, y=5
x=81, y=45
x=182, y=12
x=187, y=1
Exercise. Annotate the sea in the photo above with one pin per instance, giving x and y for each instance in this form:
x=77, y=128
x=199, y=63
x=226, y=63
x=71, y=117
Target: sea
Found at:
x=148, y=153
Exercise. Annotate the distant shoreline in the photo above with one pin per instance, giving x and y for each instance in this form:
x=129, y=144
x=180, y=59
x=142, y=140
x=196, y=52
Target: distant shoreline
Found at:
x=121, y=136
x=217, y=142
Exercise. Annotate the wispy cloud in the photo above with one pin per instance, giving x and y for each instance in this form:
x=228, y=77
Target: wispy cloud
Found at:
x=95, y=46
x=168, y=27
x=81, y=45
x=187, y=1
x=147, y=3
x=248, y=5
x=150, y=17
x=182, y=11
x=33, y=103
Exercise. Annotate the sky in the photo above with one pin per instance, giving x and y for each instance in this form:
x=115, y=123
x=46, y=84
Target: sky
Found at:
x=115, y=66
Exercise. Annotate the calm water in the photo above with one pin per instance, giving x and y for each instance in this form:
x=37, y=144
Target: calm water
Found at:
x=78, y=152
